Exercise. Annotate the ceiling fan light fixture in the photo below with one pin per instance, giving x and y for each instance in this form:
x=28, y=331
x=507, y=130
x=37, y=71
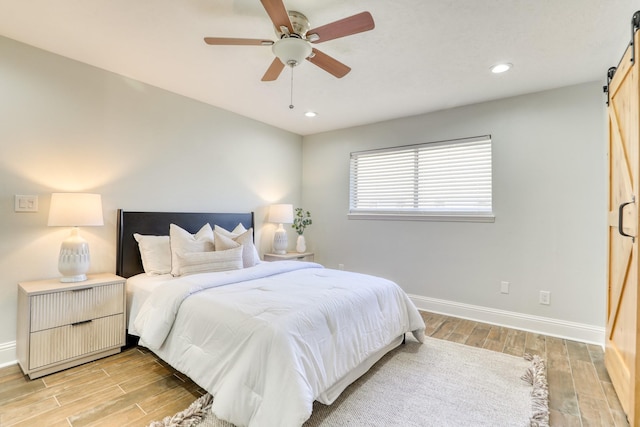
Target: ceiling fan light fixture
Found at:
x=310, y=114
x=291, y=50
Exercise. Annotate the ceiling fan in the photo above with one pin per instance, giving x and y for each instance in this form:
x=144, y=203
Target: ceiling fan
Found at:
x=295, y=37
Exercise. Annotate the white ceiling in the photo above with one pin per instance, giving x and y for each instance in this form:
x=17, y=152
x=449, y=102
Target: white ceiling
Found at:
x=423, y=55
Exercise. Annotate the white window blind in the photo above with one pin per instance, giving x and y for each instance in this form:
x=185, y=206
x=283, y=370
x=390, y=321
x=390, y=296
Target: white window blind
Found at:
x=445, y=178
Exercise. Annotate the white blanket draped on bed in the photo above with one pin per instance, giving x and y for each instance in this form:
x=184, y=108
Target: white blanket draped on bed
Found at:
x=268, y=340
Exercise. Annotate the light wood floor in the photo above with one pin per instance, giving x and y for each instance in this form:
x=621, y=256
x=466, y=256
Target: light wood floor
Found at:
x=134, y=388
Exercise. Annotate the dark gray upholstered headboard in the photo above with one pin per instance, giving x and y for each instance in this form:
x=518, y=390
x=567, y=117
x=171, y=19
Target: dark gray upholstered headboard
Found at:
x=128, y=262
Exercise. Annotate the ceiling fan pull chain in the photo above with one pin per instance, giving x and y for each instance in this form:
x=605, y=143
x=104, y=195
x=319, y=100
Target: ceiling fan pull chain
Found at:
x=291, y=99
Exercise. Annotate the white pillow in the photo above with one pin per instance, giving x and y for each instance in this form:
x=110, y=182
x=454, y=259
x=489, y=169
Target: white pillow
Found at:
x=202, y=262
x=235, y=233
x=183, y=242
x=222, y=242
x=249, y=252
x=155, y=252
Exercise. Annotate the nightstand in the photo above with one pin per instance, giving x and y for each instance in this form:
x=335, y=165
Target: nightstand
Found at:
x=289, y=256
x=61, y=325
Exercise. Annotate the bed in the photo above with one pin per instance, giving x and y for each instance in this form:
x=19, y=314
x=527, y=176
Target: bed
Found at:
x=266, y=339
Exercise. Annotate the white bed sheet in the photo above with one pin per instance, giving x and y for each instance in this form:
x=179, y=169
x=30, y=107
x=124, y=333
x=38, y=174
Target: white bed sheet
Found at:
x=268, y=340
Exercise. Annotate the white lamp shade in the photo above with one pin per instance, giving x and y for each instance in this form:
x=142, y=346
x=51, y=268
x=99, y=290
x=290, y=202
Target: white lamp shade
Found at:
x=75, y=209
x=281, y=214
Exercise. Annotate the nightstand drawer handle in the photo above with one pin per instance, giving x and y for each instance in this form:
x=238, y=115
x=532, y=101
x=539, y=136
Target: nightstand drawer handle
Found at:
x=81, y=323
x=81, y=290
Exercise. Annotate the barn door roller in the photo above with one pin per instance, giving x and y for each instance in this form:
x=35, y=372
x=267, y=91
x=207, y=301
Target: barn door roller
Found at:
x=610, y=72
x=635, y=26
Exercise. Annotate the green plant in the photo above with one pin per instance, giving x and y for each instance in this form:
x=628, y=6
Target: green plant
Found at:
x=301, y=221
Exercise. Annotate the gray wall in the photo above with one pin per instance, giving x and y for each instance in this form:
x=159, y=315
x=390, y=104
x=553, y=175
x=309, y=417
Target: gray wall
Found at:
x=66, y=126
x=549, y=196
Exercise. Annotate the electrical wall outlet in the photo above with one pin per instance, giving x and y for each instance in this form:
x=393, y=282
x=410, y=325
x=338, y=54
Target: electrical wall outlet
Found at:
x=340, y=266
x=545, y=297
x=504, y=287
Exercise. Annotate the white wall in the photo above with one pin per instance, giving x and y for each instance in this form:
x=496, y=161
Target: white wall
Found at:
x=549, y=196
x=66, y=126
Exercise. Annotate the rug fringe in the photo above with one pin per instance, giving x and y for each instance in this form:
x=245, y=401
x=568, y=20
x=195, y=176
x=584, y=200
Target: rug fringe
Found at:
x=536, y=375
x=191, y=416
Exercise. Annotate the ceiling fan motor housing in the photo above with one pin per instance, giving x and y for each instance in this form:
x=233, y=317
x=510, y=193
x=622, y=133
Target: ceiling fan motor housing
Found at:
x=300, y=25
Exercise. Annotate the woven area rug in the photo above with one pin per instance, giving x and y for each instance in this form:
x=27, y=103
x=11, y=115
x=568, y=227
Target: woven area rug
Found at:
x=439, y=383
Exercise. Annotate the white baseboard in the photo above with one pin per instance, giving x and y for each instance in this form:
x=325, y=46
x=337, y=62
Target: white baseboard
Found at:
x=537, y=324
x=7, y=354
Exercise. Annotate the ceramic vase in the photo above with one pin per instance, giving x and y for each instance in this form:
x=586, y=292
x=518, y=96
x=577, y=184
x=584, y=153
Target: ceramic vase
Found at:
x=301, y=245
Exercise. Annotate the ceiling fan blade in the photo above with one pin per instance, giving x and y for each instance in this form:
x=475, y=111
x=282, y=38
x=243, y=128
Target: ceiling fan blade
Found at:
x=224, y=41
x=344, y=27
x=273, y=71
x=278, y=14
x=329, y=64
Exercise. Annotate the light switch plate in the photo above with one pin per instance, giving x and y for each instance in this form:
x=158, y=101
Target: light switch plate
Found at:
x=26, y=203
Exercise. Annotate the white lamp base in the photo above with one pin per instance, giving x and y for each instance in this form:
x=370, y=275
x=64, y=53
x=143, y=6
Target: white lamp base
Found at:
x=74, y=259
x=71, y=279
x=280, y=241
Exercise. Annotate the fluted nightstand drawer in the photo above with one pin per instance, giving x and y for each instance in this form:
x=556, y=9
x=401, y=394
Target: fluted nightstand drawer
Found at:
x=63, y=308
x=66, y=342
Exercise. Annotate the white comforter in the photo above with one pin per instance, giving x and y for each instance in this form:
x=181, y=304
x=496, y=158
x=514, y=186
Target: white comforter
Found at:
x=267, y=341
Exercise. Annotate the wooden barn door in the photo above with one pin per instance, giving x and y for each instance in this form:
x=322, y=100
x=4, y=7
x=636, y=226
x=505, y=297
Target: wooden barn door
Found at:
x=622, y=356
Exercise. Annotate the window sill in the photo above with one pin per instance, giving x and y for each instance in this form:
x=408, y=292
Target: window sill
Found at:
x=424, y=217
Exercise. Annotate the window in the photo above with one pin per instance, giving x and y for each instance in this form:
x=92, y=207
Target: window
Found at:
x=447, y=180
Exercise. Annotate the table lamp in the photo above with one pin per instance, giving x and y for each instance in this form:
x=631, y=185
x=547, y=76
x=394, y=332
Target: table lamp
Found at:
x=280, y=214
x=74, y=210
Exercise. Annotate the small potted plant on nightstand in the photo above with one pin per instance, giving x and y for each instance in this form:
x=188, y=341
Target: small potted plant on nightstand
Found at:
x=301, y=220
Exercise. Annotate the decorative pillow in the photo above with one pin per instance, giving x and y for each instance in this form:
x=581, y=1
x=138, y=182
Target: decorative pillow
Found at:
x=235, y=233
x=203, y=262
x=155, y=252
x=249, y=252
x=183, y=242
x=222, y=242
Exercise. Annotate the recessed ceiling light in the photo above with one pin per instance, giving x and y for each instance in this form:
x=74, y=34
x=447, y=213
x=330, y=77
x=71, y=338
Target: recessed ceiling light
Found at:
x=501, y=68
x=310, y=114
